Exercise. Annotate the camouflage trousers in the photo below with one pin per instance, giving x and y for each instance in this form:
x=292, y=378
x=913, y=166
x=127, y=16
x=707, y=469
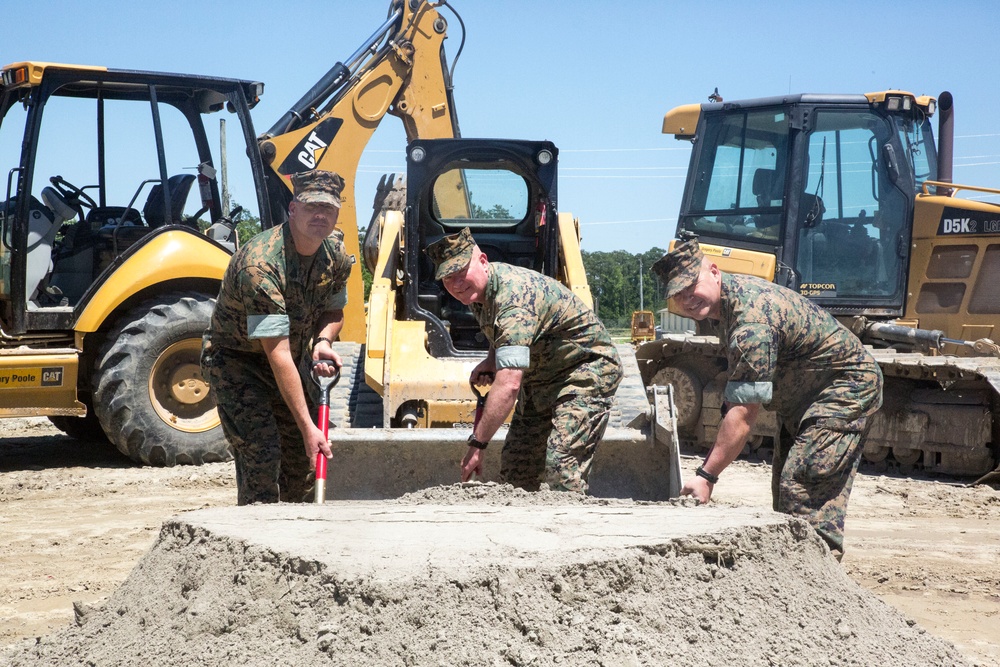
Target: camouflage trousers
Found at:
x=812, y=474
x=271, y=462
x=555, y=444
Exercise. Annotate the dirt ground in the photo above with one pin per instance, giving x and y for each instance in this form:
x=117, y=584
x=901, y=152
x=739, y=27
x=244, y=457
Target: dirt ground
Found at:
x=76, y=518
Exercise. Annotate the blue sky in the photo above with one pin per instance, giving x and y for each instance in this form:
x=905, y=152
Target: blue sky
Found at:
x=595, y=78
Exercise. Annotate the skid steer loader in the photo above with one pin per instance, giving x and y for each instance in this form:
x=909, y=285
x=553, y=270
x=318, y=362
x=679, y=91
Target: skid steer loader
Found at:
x=422, y=343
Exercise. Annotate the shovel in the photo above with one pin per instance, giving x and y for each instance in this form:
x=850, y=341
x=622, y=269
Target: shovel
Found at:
x=323, y=422
x=480, y=405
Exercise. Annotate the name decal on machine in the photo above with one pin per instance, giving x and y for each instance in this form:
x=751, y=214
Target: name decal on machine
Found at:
x=21, y=378
x=956, y=222
x=818, y=289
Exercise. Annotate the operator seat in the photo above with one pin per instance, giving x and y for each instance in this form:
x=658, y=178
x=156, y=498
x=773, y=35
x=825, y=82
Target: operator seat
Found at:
x=42, y=231
x=763, y=183
x=180, y=186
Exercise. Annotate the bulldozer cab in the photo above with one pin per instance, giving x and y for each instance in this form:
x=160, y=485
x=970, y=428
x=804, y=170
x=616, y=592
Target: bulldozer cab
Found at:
x=825, y=183
x=504, y=192
x=96, y=162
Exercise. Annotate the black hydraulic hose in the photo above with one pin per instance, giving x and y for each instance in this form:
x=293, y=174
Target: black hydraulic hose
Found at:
x=461, y=44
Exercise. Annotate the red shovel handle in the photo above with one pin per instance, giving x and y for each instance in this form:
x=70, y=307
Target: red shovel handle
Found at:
x=323, y=422
x=324, y=426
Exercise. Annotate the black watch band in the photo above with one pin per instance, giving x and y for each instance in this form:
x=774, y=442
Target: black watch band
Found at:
x=476, y=443
x=316, y=342
x=704, y=474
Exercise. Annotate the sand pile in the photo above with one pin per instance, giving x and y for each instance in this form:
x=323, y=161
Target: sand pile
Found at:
x=488, y=575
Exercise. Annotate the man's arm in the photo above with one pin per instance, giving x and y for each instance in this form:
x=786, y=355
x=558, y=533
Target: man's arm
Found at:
x=499, y=403
x=286, y=373
x=733, y=433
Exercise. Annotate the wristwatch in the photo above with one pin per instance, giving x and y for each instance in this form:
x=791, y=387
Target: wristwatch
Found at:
x=477, y=443
x=704, y=474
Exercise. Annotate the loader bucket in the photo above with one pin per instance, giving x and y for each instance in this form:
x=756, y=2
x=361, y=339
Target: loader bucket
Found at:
x=640, y=462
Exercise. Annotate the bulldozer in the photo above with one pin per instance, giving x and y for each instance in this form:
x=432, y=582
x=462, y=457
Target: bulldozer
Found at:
x=849, y=200
x=103, y=302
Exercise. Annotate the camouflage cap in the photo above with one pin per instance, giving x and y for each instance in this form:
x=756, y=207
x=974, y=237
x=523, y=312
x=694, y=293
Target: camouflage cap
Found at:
x=680, y=267
x=318, y=187
x=451, y=253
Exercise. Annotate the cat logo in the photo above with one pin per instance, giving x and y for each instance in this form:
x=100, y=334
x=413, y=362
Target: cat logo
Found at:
x=52, y=376
x=310, y=150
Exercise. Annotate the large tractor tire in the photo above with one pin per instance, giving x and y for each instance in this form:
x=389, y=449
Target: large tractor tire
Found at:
x=149, y=393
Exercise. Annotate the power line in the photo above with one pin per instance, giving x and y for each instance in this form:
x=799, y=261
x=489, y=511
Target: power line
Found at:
x=621, y=168
x=626, y=222
x=621, y=150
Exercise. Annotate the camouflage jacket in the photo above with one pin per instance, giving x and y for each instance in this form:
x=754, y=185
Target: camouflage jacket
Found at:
x=537, y=324
x=787, y=352
x=270, y=290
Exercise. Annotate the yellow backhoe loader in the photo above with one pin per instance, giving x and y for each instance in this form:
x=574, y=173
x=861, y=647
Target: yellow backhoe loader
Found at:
x=847, y=199
x=108, y=280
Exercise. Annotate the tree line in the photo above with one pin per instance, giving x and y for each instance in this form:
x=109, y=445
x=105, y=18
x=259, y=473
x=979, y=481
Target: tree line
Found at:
x=616, y=279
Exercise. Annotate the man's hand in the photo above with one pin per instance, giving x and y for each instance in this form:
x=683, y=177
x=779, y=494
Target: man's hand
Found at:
x=699, y=488
x=315, y=443
x=484, y=373
x=324, y=352
x=472, y=463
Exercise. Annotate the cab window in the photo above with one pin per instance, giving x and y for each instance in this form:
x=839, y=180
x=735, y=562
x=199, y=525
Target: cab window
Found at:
x=850, y=214
x=480, y=197
x=739, y=188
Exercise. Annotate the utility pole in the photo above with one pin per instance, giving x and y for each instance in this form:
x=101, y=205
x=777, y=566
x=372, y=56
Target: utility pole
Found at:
x=642, y=303
x=596, y=293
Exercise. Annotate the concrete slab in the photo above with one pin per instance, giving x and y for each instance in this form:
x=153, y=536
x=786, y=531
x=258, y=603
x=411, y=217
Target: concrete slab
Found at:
x=381, y=540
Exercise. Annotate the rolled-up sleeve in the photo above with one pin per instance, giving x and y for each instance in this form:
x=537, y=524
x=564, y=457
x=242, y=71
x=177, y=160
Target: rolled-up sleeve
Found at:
x=513, y=356
x=338, y=301
x=267, y=326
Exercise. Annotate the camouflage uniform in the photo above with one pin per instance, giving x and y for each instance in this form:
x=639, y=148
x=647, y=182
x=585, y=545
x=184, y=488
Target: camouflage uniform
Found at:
x=789, y=354
x=571, y=371
x=269, y=290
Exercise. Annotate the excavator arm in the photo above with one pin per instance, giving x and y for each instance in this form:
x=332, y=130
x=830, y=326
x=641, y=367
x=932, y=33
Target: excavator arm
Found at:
x=400, y=70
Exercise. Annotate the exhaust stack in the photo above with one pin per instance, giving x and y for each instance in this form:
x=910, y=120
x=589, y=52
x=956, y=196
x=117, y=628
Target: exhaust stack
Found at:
x=946, y=140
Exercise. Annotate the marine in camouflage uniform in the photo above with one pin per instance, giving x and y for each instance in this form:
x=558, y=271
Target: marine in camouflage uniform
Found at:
x=275, y=296
x=787, y=353
x=568, y=367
